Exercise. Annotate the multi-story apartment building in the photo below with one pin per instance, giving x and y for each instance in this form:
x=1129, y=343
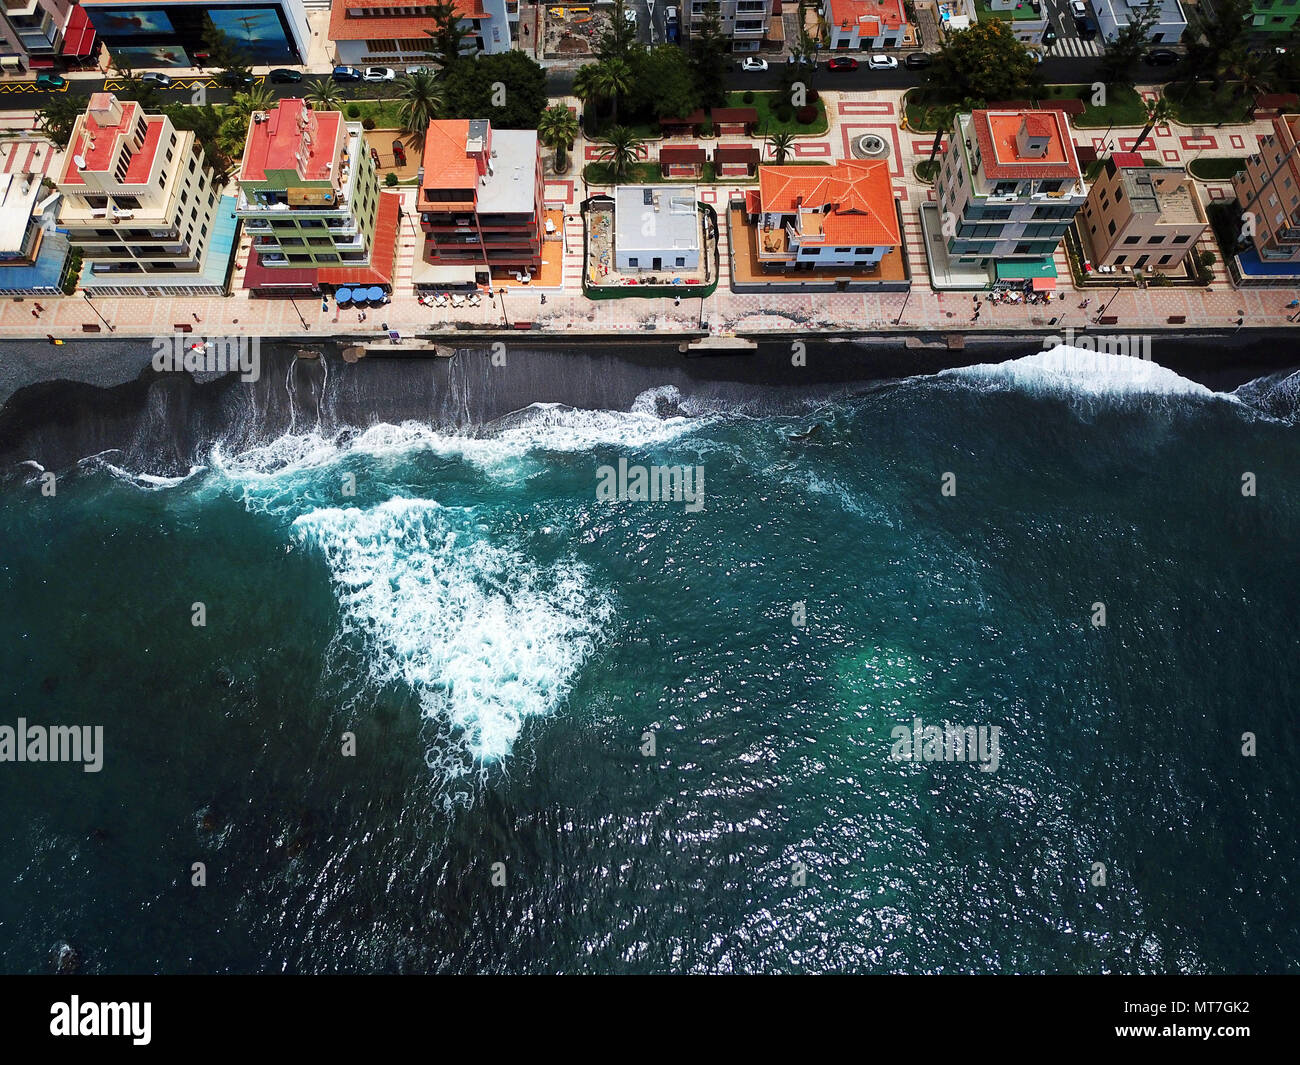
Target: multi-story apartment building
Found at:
x=378, y=31
x=154, y=34
x=310, y=199
x=1268, y=192
x=480, y=202
x=745, y=22
x=864, y=25
x=1009, y=185
x=1141, y=217
x=33, y=254
x=818, y=216
x=1114, y=15
x=1026, y=23
x=142, y=205
x=1273, y=20
x=43, y=34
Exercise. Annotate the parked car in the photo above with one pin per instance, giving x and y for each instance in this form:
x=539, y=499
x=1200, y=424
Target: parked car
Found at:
x=842, y=62
x=917, y=61
x=754, y=63
x=1087, y=29
x=1079, y=8
x=152, y=77
x=417, y=70
x=1160, y=57
x=235, y=79
x=629, y=16
x=284, y=76
x=50, y=81
x=1049, y=36
x=882, y=62
x=346, y=74
x=379, y=74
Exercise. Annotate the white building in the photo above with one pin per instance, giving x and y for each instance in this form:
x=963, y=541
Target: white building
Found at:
x=656, y=227
x=864, y=25
x=33, y=254
x=1114, y=15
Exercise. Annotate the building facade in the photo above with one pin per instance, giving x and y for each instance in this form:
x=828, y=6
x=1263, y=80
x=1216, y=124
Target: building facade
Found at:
x=33, y=253
x=1114, y=15
x=864, y=25
x=1025, y=23
x=825, y=216
x=1140, y=217
x=157, y=34
x=1009, y=185
x=142, y=205
x=480, y=203
x=1268, y=193
x=377, y=31
x=1272, y=20
x=745, y=22
x=310, y=200
x=40, y=35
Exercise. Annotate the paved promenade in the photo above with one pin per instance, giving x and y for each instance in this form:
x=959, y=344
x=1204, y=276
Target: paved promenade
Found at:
x=567, y=310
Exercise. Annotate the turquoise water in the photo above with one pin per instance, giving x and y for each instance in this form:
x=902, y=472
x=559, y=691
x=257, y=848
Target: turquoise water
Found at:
x=502, y=646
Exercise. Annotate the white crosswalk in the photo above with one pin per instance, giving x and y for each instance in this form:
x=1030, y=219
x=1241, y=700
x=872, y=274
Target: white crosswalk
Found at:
x=1076, y=46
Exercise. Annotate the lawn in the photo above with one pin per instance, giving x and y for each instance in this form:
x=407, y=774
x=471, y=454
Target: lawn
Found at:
x=1022, y=13
x=1203, y=104
x=1220, y=169
x=1123, y=105
x=926, y=169
x=386, y=113
x=647, y=173
x=765, y=104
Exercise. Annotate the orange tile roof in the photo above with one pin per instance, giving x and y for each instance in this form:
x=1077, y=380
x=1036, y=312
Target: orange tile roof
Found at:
x=868, y=15
x=277, y=143
x=347, y=27
x=996, y=132
x=446, y=163
x=97, y=144
x=858, y=193
x=383, y=250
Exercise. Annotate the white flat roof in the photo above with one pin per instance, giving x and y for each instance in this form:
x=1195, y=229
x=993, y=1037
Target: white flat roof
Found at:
x=18, y=195
x=511, y=188
x=656, y=218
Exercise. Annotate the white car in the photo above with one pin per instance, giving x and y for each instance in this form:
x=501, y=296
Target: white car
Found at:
x=629, y=16
x=754, y=63
x=882, y=62
x=1079, y=8
x=379, y=74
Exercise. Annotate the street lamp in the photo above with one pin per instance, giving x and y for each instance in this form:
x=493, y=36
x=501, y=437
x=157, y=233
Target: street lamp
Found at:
x=1102, y=309
x=501, y=295
x=294, y=304
x=903, y=308
x=111, y=327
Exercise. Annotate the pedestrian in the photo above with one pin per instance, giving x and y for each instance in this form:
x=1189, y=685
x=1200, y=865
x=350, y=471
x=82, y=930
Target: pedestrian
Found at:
x=195, y=317
x=40, y=308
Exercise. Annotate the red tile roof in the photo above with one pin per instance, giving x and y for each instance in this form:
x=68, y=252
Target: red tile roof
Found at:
x=277, y=143
x=858, y=193
x=447, y=165
x=345, y=26
x=996, y=132
x=868, y=15
x=383, y=251
x=1125, y=160
x=735, y=153
x=685, y=153
x=747, y=115
x=97, y=145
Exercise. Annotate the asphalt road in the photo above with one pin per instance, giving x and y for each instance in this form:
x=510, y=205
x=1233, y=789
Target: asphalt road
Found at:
x=24, y=97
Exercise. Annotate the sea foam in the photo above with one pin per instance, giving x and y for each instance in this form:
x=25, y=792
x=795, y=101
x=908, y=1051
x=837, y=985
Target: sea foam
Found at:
x=1075, y=371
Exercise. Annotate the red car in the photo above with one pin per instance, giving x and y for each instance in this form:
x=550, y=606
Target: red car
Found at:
x=842, y=62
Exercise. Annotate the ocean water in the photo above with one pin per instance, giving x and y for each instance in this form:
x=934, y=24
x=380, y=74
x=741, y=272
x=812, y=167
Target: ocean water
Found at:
x=503, y=648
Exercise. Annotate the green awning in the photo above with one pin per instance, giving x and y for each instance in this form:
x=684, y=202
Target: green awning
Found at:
x=1026, y=269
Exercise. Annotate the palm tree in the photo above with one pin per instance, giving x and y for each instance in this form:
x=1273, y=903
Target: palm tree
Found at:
x=1253, y=70
x=782, y=144
x=558, y=128
x=253, y=99
x=586, y=87
x=325, y=96
x=421, y=97
x=1159, y=111
x=614, y=78
x=620, y=151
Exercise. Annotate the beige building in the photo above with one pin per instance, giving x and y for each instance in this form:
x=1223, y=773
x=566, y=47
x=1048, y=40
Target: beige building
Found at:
x=1140, y=217
x=142, y=205
x=748, y=24
x=1268, y=192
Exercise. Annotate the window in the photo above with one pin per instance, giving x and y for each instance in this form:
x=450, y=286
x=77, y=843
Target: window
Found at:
x=1164, y=259
x=681, y=260
x=1182, y=239
x=1110, y=227
x=1131, y=240
x=1119, y=260
x=633, y=261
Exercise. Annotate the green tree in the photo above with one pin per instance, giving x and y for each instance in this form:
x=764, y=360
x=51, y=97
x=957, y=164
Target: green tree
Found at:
x=448, y=35
x=620, y=151
x=205, y=122
x=233, y=61
x=324, y=95
x=782, y=144
x=709, y=52
x=614, y=79
x=59, y=115
x=1252, y=69
x=509, y=88
x=558, y=129
x=662, y=84
x=586, y=87
x=421, y=99
x=1210, y=38
x=1159, y=111
x=619, y=40
x=1129, y=44
x=983, y=62
x=146, y=95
